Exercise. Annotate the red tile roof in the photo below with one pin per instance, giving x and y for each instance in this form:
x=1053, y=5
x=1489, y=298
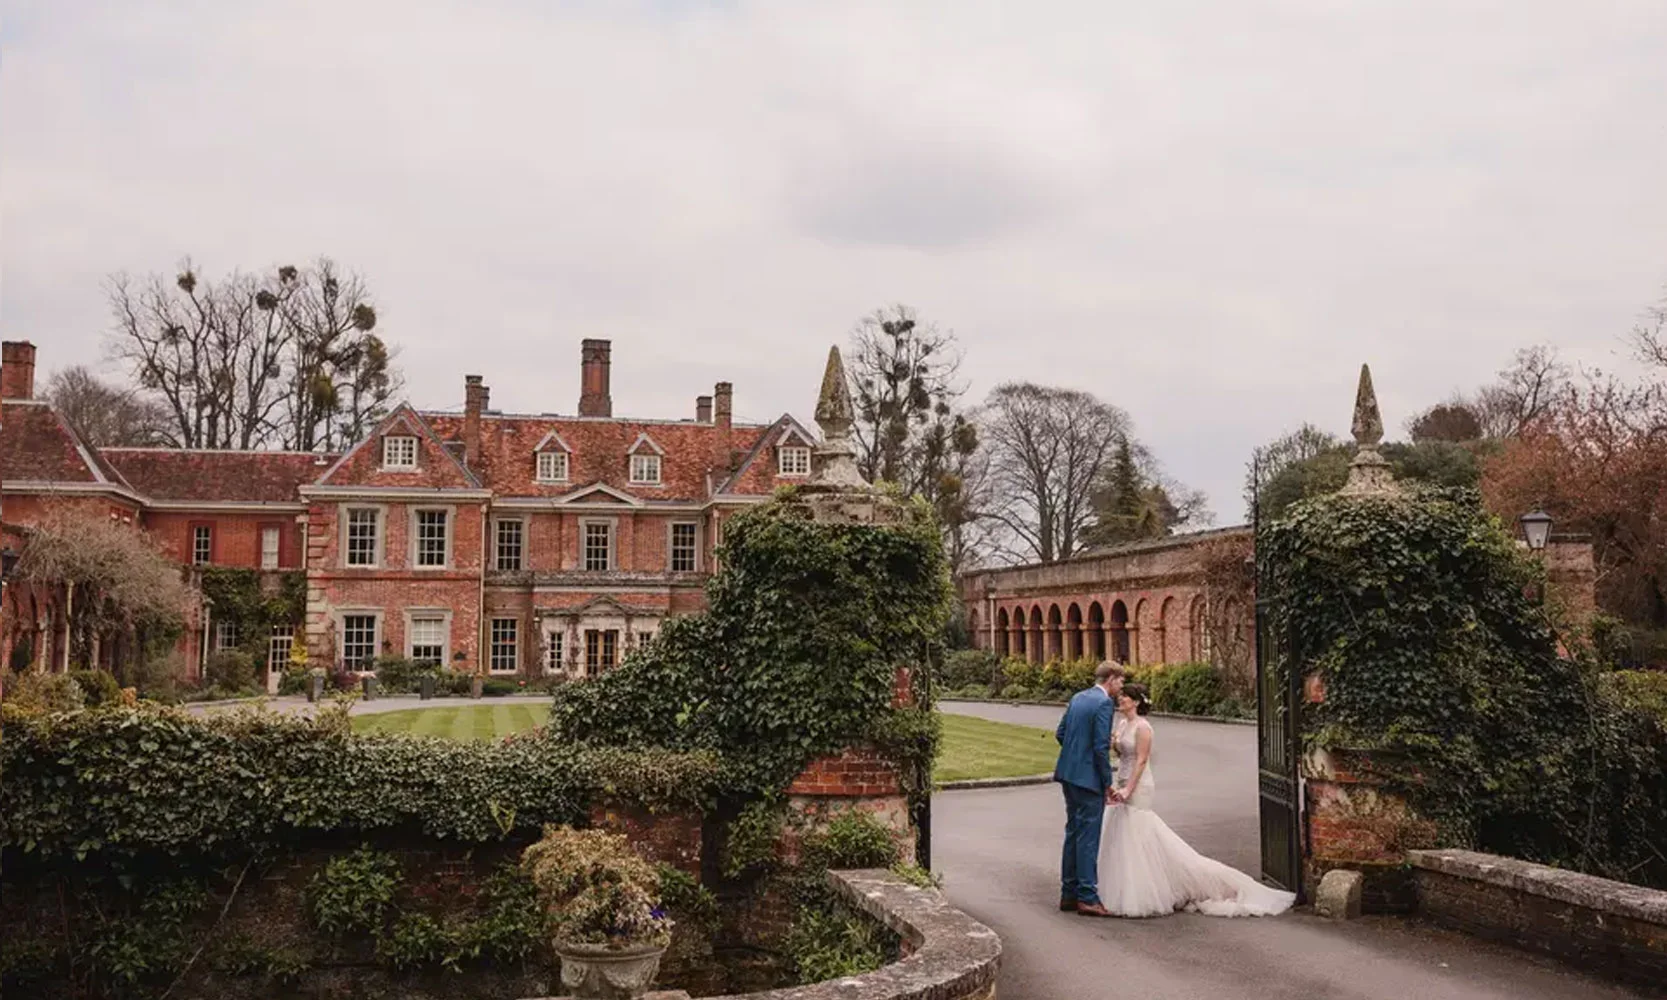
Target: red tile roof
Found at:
x=267, y=476
x=36, y=444
x=600, y=453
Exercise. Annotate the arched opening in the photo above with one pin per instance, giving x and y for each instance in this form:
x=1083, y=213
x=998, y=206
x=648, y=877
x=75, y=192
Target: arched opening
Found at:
x=979, y=639
x=1033, y=645
x=1097, y=632
x=1119, y=632
x=1140, y=634
x=1166, y=625
x=1073, y=633
x=1056, y=634
x=1198, y=627
x=1002, y=643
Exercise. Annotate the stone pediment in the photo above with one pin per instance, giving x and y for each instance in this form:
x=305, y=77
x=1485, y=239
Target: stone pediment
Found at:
x=600, y=493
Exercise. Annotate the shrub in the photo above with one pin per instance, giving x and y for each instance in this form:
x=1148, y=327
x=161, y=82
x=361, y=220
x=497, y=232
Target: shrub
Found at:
x=1021, y=672
x=966, y=668
x=98, y=687
x=832, y=943
x=683, y=895
x=294, y=680
x=118, y=781
x=453, y=682
x=852, y=839
x=1643, y=690
x=38, y=692
x=230, y=670
x=397, y=675
x=595, y=889
x=1015, y=692
x=497, y=687
x=354, y=892
x=1188, y=689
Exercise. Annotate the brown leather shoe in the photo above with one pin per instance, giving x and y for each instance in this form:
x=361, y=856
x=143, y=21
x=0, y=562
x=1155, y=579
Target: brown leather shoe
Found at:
x=1092, y=910
x=1067, y=904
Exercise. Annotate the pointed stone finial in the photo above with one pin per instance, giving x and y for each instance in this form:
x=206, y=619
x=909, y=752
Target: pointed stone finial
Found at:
x=1368, y=424
x=835, y=460
x=1368, y=473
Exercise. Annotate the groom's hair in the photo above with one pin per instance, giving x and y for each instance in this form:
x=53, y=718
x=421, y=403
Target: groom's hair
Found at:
x=1106, y=671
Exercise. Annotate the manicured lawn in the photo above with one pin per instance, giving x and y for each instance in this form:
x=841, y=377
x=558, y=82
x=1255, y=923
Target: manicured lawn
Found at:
x=465, y=722
x=972, y=748
x=978, y=748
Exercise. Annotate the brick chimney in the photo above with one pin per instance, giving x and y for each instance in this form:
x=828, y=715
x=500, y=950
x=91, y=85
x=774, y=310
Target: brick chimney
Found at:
x=723, y=398
x=594, y=399
x=703, y=409
x=475, y=395
x=17, y=370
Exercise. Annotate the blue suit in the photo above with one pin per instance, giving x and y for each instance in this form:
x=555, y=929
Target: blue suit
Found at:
x=1084, y=772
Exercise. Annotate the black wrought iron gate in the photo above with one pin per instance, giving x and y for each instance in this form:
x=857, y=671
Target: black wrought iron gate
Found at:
x=1278, y=728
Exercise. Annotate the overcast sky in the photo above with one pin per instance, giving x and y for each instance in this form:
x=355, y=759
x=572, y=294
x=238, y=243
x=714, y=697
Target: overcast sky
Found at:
x=1209, y=212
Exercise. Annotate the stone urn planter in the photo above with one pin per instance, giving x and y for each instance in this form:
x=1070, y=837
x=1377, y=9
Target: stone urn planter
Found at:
x=598, y=972
x=426, y=687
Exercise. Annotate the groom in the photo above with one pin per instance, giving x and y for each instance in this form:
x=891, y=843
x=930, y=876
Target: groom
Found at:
x=1084, y=772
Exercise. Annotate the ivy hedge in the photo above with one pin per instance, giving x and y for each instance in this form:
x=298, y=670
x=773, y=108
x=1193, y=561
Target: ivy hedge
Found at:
x=122, y=783
x=1417, y=613
x=241, y=596
x=796, y=655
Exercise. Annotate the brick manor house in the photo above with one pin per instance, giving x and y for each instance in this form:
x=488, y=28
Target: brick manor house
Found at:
x=486, y=541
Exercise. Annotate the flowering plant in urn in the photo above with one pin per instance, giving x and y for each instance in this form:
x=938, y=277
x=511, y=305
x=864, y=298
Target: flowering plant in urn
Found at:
x=602, y=900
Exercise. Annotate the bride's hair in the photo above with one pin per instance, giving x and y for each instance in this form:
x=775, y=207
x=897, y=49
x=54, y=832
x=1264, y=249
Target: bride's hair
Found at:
x=1142, y=701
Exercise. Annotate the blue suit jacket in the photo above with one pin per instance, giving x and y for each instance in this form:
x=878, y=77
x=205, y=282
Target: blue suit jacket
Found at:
x=1084, y=736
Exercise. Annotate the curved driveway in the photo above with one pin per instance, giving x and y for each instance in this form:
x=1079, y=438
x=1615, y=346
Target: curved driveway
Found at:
x=998, y=851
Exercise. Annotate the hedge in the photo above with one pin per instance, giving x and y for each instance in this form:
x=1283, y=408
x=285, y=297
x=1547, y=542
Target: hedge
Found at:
x=122, y=782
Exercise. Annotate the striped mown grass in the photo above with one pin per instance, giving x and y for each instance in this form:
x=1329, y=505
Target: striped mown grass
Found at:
x=972, y=748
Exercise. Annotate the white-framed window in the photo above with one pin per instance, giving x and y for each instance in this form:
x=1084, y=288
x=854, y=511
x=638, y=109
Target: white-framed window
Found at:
x=601, y=650
x=399, y=451
x=644, y=638
x=225, y=635
x=202, y=545
x=598, y=546
x=645, y=468
x=427, y=638
x=685, y=547
x=554, y=660
x=552, y=467
x=431, y=535
x=269, y=537
x=359, y=637
x=793, y=460
x=279, y=645
x=509, y=544
x=506, y=646
x=362, y=541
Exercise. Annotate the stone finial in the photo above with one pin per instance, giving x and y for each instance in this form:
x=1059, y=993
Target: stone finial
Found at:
x=1368, y=424
x=835, y=459
x=1368, y=473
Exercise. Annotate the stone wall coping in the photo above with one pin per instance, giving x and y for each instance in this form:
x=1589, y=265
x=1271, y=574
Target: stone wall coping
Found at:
x=953, y=955
x=1620, y=899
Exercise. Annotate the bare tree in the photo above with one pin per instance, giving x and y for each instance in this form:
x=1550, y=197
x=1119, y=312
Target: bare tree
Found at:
x=210, y=351
x=248, y=362
x=103, y=415
x=341, y=374
x=1047, y=450
x=909, y=429
x=1523, y=394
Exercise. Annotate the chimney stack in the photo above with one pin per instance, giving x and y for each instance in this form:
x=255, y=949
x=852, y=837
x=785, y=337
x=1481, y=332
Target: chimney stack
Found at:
x=723, y=412
x=594, y=398
x=17, y=370
x=475, y=396
x=703, y=409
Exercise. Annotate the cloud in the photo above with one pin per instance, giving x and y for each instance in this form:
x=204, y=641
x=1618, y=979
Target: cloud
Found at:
x=1207, y=212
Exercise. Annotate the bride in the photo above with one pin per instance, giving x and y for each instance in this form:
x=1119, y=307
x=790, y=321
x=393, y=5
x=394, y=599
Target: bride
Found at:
x=1146, y=870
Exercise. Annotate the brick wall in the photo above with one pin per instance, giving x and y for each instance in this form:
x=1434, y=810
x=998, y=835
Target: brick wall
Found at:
x=1602, y=926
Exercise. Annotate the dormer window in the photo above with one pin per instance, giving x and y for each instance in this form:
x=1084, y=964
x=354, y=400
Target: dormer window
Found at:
x=793, y=460
x=552, y=467
x=399, y=451
x=645, y=469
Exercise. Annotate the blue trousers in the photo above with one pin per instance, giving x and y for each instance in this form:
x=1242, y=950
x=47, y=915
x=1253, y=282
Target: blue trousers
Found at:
x=1079, y=866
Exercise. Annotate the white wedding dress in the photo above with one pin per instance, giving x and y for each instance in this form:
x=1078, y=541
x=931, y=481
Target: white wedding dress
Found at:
x=1146, y=870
